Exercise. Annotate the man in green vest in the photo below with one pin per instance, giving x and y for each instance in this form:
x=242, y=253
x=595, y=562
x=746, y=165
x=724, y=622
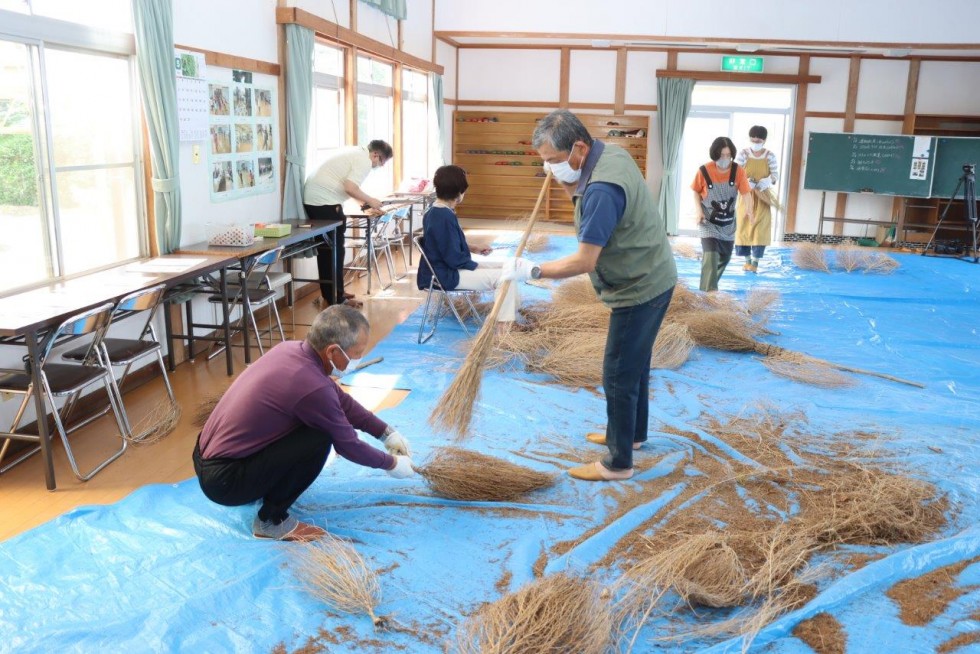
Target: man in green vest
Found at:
x=623, y=247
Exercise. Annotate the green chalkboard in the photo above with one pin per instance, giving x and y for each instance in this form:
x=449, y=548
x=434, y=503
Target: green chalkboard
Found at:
x=870, y=163
x=951, y=153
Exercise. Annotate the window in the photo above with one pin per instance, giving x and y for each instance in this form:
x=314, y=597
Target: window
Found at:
x=70, y=175
x=327, y=127
x=375, y=119
x=415, y=125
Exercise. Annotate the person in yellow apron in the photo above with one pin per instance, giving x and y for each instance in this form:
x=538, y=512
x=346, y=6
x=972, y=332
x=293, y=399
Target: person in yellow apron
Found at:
x=754, y=231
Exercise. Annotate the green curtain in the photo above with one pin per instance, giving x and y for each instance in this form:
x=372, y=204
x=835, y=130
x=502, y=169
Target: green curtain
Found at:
x=440, y=105
x=394, y=8
x=673, y=105
x=299, y=103
x=154, y=27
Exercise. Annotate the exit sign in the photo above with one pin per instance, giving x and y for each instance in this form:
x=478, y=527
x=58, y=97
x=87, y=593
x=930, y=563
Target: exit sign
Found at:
x=741, y=64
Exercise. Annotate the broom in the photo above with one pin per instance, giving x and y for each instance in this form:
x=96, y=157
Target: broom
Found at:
x=454, y=409
x=465, y=475
x=724, y=330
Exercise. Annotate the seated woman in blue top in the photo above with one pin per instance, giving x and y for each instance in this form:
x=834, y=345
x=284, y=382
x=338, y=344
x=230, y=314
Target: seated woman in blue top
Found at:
x=451, y=256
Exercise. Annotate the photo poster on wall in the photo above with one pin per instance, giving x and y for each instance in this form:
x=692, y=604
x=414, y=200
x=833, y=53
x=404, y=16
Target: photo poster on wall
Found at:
x=242, y=136
x=192, y=95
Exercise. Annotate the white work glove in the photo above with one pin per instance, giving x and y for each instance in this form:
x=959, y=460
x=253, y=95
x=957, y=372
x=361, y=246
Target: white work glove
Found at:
x=516, y=269
x=764, y=184
x=403, y=468
x=751, y=184
x=395, y=443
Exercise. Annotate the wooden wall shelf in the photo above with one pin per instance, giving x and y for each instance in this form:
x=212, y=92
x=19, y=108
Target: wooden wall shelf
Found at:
x=505, y=172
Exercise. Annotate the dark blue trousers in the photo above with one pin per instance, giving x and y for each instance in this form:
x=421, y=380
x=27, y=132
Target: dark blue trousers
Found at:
x=626, y=376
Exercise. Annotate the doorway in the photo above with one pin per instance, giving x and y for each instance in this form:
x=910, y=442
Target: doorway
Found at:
x=730, y=110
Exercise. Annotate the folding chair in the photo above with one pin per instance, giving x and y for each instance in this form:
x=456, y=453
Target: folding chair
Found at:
x=250, y=298
x=379, y=243
x=435, y=286
x=126, y=351
x=395, y=234
x=68, y=380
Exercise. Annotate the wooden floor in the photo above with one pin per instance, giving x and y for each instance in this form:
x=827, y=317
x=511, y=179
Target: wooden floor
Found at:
x=24, y=501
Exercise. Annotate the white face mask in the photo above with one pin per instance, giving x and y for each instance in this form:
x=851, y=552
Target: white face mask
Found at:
x=351, y=364
x=757, y=147
x=563, y=172
x=723, y=164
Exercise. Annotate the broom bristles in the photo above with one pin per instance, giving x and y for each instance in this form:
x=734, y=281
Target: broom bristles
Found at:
x=332, y=571
x=555, y=614
x=158, y=423
x=465, y=475
x=810, y=256
x=204, y=408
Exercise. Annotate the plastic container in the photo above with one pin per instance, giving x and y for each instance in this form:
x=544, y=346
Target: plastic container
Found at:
x=274, y=230
x=231, y=235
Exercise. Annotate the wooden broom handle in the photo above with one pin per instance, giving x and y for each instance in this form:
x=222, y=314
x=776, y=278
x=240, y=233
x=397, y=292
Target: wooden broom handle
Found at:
x=534, y=215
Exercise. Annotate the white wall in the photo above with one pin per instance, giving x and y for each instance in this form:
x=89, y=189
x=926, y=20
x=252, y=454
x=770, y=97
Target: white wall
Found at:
x=941, y=21
x=336, y=11
x=246, y=28
x=949, y=87
x=446, y=57
x=592, y=76
x=492, y=75
x=417, y=30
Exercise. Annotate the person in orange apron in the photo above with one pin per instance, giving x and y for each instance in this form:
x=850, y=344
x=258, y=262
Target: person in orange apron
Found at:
x=754, y=230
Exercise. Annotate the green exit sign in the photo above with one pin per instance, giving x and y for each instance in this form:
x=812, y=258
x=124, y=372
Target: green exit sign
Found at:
x=739, y=64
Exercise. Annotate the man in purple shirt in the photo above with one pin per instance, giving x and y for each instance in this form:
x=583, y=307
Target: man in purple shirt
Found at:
x=269, y=436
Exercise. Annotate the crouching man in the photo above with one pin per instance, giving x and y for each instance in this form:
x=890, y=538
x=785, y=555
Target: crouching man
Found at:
x=269, y=436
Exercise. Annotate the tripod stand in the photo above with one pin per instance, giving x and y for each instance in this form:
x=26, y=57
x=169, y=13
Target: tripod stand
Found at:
x=968, y=182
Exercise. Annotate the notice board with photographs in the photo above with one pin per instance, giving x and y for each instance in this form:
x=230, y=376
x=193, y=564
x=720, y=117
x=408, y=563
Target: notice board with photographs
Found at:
x=243, y=135
x=884, y=164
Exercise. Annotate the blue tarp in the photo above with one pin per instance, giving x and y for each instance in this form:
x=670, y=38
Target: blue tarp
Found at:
x=166, y=570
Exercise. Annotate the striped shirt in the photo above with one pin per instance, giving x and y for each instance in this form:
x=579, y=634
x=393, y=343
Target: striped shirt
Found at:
x=746, y=153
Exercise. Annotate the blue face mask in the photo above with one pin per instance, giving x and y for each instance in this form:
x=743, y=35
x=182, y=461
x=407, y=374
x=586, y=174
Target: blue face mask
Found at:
x=723, y=164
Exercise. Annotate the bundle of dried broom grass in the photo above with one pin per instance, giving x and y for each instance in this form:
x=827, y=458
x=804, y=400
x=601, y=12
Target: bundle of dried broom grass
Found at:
x=881, y=264
x=807, y=372
x=850, y=258
x=557, y=614
x=810, y=256
x=573, y=291
x=684, y=249
x=158, y=423
x=672, y=348
x=460, y=474
x=332, y=571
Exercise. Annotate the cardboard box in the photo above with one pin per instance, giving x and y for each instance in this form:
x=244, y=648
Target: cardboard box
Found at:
x=274, y=230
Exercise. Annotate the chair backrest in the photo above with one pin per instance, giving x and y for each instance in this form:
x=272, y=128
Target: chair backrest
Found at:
x=419, y=241
x=94, y=321
x=260, y=266
x=147, y=299
x=269, y=258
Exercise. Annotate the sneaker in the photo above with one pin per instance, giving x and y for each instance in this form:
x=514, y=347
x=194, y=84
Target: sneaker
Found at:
x=747, y=266
x=598, y=472
x=291, y=530
x=600, y=439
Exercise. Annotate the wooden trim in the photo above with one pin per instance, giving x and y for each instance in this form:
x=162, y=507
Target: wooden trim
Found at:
x=796, y=154
x=672, y=60
x=352, y=15
x=449, y=102
x=443, y=34
x=225, y=60
x=351, y=38
x=151, y=217
x=401, y=36
x=850, y=113
x=620, y=81
x=350, y=94
x=899, y=206
x=911, y=96
x=843, y=115
x=765, y=78
x=283, y=135
x=609, y=106
x=566, y=63
x=397, y=125
x=446, y=39
x=689, y=50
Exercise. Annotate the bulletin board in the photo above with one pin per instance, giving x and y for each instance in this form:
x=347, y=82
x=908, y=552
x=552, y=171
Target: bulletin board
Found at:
x=243, y=135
